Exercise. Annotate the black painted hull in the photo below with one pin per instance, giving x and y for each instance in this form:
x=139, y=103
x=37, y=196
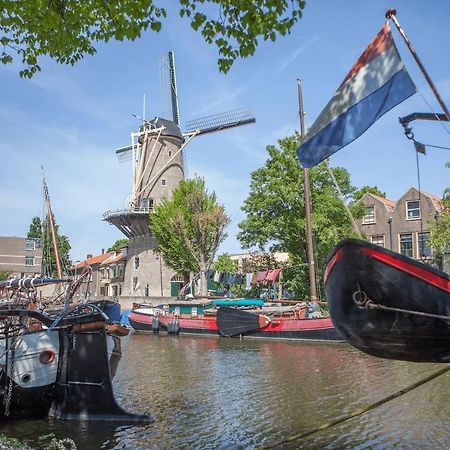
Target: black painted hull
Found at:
x=355, y=267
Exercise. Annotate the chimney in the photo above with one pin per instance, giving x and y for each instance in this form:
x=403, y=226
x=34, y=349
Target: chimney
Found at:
x=88, y=256
x=103, y=251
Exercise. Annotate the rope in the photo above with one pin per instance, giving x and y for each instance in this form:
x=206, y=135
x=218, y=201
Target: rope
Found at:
x=431, y=109
x=370, y=305
x=358, y=412
x=355, y=225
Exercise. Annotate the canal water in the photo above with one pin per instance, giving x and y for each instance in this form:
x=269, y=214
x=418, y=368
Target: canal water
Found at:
x=219, y=393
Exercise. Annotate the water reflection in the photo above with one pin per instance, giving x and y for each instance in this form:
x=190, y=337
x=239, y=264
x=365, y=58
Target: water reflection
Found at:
x=206, y=392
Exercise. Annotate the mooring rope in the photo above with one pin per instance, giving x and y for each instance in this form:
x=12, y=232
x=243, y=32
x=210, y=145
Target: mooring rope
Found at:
x=357, y=412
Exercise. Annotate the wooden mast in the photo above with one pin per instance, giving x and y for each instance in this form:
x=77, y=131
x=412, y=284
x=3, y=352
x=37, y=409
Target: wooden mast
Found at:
x=52, y=228
x=308, y=214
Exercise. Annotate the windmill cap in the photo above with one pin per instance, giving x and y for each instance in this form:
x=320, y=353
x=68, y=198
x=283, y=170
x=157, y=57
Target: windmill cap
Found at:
x=170, y=128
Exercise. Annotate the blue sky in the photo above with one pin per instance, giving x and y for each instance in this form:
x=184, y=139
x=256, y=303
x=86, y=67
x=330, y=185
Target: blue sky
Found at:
x=71, y=119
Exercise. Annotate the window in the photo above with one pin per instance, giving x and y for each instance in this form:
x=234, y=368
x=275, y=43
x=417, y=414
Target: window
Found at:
x=406, y=247
x=369, y=215
x=136, y=262
x=378, y=240
x=135, y=283
x=114, y=271
x=163, y=182
x=29, y=260
x=413, y=210
x=147, y=290
x=31, y=244
x=170, y=153
x=120, y=270
x=114, y=291
x=424, y=245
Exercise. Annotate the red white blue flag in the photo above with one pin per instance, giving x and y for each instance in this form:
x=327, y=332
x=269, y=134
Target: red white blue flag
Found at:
x=375, y=84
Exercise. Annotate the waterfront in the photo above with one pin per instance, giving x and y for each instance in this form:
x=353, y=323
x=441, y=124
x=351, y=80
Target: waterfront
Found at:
x=206, y=392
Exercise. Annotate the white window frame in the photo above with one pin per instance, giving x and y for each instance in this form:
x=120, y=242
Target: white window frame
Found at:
x=30, y=244
x=365, y=221
x=400, y=243
x=413, y=209
x=163, y=182
x=378, y=236
x=419, y=253
x=28, y=258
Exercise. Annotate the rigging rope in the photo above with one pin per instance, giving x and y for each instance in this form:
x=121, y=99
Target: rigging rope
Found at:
x=358, y=412
x=355, y=225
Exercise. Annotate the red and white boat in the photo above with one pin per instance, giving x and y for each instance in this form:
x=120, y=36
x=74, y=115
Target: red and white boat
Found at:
x=203, y=317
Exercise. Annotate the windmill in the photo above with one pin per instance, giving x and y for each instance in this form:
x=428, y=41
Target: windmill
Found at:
x=158, y=155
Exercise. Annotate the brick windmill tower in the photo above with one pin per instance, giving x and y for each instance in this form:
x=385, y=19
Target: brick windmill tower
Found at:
x=157, y=152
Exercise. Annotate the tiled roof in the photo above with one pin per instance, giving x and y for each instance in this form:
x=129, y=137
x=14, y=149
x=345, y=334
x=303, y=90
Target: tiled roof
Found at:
x=390, y=204
x=114, y=259
x=437, y=201
x=93, y=260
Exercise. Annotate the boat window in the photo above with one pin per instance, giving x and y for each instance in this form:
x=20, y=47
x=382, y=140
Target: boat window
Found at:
x=406, y=247
x=369, y=215
x=413, y=210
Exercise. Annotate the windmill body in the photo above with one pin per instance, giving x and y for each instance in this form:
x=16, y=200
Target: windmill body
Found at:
x=157, y=151
x=157, y=171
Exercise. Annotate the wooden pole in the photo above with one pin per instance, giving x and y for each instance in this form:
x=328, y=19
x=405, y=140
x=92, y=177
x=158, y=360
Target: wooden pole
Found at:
x=391, y=14
x=308, y=214
x=52, y=229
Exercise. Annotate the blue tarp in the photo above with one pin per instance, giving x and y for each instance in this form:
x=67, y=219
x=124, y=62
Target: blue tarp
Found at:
x=239, y=302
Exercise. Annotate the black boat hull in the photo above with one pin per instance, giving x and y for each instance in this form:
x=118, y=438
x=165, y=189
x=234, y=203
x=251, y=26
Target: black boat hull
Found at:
x=359, y=273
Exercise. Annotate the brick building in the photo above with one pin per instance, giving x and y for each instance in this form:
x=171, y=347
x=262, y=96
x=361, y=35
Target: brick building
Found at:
x=20, y=256
x=402, y=226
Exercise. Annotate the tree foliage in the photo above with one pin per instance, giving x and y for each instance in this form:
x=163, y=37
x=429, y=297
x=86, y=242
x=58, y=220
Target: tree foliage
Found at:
x=189, y=228
x=41, y=230
x=66, y=30
x=360, y=193
x=440, y=229
x=224, y=263
x=275, y=210
x=118, y=245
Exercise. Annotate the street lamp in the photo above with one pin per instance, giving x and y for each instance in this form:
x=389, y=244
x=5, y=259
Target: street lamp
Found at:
x=390, y=232
x=160, y=274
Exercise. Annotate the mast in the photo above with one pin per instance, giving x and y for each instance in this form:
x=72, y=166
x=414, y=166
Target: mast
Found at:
x=391, y=14
x=308, y=214
x=52, y=227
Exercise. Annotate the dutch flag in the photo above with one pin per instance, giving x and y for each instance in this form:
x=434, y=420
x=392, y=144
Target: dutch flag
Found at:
x=375, y=84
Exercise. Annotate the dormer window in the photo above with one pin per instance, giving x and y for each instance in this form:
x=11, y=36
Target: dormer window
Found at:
x=369, y=215
x=413, y=210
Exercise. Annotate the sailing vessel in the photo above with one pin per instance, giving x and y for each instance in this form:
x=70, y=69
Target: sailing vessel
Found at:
x=59, y=363
x=383, y=303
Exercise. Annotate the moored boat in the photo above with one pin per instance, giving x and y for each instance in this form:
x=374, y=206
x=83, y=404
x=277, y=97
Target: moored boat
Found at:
x=239, y=317
x=388, y=305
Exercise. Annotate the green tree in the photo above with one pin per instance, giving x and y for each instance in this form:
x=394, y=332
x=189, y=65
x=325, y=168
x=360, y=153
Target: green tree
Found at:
x=66, y=30
x=440, y=230
x=360, y=193
x=224, y=263
x=118, y=245
x=4, y=275
x=35, y=230
x=41, y=230
x=189, y=228
x=275, y=210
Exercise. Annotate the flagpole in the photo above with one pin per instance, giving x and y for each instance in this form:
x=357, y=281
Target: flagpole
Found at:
x=308, y=214
x=391, y=14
